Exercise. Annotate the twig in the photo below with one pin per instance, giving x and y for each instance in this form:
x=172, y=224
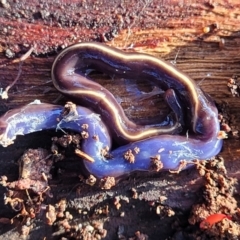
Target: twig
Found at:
x=4, y=94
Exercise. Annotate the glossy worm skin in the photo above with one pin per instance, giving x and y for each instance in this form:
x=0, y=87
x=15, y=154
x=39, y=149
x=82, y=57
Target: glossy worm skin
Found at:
x=172, y=149
x=69, y=75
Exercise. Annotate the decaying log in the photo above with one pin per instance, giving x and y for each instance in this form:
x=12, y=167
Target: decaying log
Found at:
x=200, y=37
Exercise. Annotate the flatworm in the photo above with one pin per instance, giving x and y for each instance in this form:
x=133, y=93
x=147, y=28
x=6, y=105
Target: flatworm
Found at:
x=107, y=120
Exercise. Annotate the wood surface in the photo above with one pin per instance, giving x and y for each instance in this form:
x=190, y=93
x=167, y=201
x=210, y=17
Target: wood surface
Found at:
x=202, y=38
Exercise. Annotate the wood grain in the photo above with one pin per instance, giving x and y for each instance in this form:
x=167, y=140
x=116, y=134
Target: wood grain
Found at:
x=202, y=38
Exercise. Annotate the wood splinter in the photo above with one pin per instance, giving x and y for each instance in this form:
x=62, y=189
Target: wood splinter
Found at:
x=83, y=155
